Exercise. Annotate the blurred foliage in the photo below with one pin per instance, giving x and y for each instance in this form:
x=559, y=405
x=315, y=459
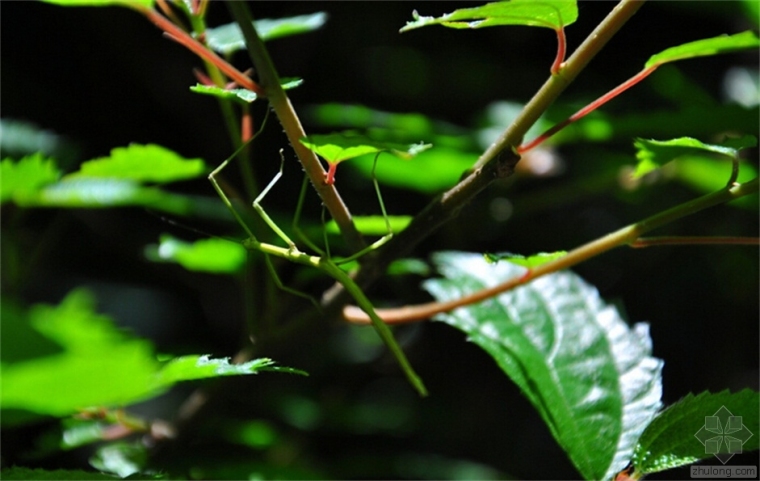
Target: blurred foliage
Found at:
x=109, y=79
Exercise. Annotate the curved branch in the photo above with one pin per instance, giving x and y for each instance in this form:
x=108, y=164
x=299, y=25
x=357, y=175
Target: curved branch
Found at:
x=626, y=235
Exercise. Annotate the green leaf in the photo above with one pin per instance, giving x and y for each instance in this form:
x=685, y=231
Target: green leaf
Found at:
x=653, y=154
x=340, y=146
x=706, y=47
x=432, y=171
x=102, y=3
x=529, y=262
x=553, y=14
x=690, y=429
x=94, y=193
x=99, y=365
x=228, y=38
x=142, y=163
x=238, y=95
x=243, y=96
x=589, y=375
x=374, y=224
x=217, y=256
x=22, y=179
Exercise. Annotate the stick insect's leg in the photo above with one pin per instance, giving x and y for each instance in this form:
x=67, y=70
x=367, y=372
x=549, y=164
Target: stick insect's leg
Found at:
x=297, y=217
x=387, y=236
x=252, y=242
x=263, y=214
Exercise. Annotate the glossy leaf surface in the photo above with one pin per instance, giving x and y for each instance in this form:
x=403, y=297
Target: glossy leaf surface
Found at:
x=589, y=375
x=340, y=146
x=652, y=154
x=553, y=14
x=706, y=47
x=698, y=426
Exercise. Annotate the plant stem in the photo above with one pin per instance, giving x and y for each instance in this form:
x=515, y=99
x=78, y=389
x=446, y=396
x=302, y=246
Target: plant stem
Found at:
x=499, y=159
x=626, y=235
x=280, y=102
x=588, y=108
x=561, y=48
x=179, y=35
x=693, y=240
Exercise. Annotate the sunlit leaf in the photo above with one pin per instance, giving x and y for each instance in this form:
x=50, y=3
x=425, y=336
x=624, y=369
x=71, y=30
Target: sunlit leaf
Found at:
x=373, y=224
x=142, y=163
x=591, y=377
x=341, y=146
x=529, y=261
x=102, y=3
x=228, y=38
x=217, y=256
x=99, y=365
x=655, y=153
x=187, y=368
x=699, y=427
x=22, y=179
x=552, y=14
x=706, y=47
x=241, y=95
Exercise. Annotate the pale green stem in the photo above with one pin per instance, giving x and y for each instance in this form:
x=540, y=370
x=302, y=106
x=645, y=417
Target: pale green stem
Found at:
x=620, y=237
x=278, y=99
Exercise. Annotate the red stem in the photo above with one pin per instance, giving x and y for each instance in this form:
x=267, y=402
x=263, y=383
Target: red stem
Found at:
x=180, y=36
x=330, y=175
x=561, y=47
x=589, y=108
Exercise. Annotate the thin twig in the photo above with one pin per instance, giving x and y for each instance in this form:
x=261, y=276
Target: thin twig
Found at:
x=626, y=235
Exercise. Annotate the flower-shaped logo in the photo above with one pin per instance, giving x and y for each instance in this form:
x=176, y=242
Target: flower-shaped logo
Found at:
x=723, y=434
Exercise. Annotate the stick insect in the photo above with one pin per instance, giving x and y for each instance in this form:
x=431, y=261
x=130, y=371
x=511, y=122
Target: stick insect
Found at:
x=323, y=261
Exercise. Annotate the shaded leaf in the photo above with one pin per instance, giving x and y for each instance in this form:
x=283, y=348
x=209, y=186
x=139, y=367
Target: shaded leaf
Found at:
x=706, y=47
x=652, y=154
x=142, y=163
x=22, y=179
x=228, y=38
x=589, y=375
x=529, y=262
x=373, y=224
x=433, y=170
x=217, y=256
x=553, y=14
x=690, y=429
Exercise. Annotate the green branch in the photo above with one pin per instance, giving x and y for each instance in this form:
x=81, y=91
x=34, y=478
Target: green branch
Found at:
x=278, y=99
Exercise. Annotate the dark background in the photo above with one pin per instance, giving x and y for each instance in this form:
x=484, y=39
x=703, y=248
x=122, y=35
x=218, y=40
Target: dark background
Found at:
x=103, y=78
